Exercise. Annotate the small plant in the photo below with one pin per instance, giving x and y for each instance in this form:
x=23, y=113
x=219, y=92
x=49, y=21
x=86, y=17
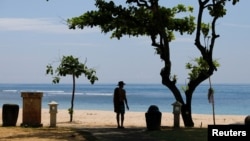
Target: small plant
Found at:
x=70, y=110
x=71, y=66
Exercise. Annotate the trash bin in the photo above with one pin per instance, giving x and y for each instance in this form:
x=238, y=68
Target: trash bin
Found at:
x=247, y=120
x=153, y=118
x=32, y=109
x=10, y=114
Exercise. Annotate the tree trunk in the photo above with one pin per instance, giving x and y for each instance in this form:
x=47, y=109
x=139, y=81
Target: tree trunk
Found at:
x=72, y=100
x=186, y=110
x=187, y=116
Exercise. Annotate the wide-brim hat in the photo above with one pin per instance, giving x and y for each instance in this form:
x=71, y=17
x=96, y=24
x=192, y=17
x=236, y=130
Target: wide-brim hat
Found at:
x=121, y=83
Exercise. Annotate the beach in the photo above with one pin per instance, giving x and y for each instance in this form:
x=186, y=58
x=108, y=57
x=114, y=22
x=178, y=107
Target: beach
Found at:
x=106, y=119
x=98, y=118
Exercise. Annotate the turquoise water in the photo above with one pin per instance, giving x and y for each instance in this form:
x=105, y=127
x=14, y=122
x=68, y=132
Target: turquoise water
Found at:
x=229, y=98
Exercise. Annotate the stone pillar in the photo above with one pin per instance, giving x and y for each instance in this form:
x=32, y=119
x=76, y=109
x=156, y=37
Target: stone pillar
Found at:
x=177, y=112
x=53, y=112
x=32, y=105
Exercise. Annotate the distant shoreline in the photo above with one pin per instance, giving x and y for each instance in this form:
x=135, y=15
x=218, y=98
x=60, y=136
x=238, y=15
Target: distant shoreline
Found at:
x=229, y=99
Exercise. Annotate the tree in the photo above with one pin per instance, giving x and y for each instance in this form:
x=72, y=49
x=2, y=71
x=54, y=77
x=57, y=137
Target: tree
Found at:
x=148, y=18
x=201, y=66
x=71, y=66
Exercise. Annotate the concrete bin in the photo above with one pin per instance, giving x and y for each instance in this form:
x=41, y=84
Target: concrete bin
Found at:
x=247, y=120
x=10, y=114
x=153, y=118
x=32, y=105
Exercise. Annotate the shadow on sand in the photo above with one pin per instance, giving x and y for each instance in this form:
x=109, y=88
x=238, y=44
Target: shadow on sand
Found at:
x=114, y=134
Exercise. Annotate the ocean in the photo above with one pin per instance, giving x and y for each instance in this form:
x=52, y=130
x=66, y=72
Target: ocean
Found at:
x=230, y=99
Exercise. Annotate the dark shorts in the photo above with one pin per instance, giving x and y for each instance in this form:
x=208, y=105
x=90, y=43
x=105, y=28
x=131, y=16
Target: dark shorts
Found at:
x=120, y=108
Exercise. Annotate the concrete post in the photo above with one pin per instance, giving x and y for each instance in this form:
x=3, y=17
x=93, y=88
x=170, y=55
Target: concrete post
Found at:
x=176, y=112
x=53, y=112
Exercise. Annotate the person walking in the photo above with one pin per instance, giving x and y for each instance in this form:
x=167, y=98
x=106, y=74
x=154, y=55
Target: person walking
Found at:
x=120, y=100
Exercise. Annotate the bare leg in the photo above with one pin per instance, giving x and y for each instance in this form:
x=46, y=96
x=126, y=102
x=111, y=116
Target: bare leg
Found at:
x=122, y=119
x=118, y=119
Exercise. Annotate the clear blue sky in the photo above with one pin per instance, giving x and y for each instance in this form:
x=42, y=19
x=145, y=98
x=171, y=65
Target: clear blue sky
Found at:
x=34, y=33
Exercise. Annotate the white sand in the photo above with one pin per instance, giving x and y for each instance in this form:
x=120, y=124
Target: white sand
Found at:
x=95, y=118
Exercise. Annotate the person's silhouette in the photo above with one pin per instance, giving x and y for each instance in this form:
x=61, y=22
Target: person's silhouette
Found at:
x=120, y=100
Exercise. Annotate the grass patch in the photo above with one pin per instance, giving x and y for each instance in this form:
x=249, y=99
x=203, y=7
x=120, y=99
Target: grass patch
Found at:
x=87, y=135
x=180, y=134
x=141, y=134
